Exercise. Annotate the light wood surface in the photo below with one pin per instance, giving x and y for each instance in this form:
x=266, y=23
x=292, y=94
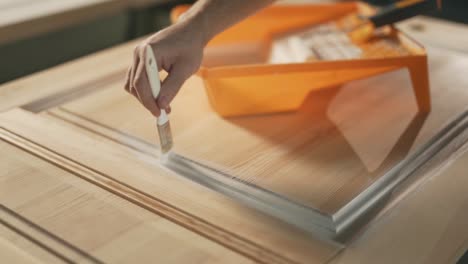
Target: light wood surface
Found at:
x=427, y=226
x=90, y=157
x=366, y=127
x=141, y=180
x=38, y=242
x=15, y=248
x=95, y=221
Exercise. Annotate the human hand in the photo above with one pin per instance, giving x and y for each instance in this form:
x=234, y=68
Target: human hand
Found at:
x=178, y=50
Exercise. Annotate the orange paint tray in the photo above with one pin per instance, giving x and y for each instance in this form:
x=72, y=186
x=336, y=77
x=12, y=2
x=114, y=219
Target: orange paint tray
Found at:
x=239, y=80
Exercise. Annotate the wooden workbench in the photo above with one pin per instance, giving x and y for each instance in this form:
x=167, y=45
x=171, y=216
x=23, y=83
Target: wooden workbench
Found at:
x=76, y=184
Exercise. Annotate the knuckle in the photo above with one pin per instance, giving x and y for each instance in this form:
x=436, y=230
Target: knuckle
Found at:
x=142, y=52
x=136, y=50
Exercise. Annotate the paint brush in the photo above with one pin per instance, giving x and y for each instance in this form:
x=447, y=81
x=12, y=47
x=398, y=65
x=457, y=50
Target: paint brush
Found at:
x=164, y=126
x=360, y=28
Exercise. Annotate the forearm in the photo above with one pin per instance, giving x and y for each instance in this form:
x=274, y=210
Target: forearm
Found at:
x=179, y=48
x=210, y=17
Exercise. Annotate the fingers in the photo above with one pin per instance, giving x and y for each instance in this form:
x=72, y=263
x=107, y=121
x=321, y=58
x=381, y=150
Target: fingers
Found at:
x=129, y=77
x=127, y=80
x=137, y=83
x=128, y=84
x=171, y=85
x=136, y=60
x=134, y=93
x=142, y=86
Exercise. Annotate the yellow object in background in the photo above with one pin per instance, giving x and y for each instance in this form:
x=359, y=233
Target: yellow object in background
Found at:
x=239, y=80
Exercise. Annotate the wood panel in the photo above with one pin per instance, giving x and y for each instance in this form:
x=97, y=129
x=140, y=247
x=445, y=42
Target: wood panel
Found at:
x=97, y=225
x=362, y=253
x=428, y=225
x=15, y=248
x=366, y=127
x=95, y=154
x=140, y=179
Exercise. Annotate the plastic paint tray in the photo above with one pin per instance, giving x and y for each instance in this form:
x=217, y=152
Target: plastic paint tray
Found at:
x=239, y=80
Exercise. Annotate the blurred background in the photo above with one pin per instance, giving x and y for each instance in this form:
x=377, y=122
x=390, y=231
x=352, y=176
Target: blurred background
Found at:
x=31, y=47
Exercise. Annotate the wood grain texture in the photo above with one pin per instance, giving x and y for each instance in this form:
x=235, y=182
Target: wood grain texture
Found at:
x=366, y=127
x=15, y=248
x=140, y=179
x=98, y=225
x=427, y=226
x=106, y=140
x=32, y=238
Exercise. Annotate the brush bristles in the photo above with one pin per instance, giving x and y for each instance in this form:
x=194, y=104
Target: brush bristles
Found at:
x=165, y=137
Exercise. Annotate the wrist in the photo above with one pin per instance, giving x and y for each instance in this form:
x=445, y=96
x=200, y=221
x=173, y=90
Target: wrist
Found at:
x=196, y=21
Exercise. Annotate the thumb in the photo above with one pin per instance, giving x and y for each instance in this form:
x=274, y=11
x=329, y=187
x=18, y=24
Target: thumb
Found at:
x=171, y=85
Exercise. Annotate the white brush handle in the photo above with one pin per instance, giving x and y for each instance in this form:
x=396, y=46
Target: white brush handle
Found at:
x=153, y=76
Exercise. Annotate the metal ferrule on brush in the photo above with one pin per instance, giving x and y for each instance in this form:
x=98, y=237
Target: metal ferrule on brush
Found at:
x=164, y=131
